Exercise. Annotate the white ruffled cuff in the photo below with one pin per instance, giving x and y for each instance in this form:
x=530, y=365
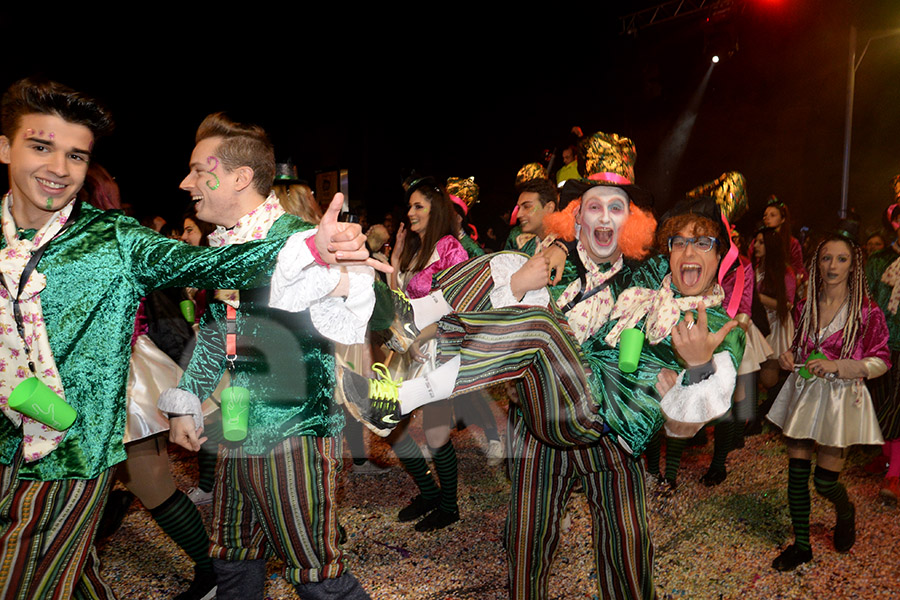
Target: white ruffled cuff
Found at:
x=298, y=280
x=503, y=266
x=176, y=401
x=687, y=408
x=344, y=320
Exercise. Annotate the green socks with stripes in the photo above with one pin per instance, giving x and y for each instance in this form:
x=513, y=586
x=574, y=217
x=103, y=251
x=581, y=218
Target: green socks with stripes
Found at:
x=181, y=521
x=412, y=459
x=445, y=464
x=798, y=500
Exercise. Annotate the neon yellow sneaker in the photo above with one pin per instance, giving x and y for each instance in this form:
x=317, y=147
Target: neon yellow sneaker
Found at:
x=373, y=402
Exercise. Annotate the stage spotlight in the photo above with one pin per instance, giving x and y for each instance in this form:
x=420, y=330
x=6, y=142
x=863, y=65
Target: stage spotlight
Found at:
x=715, y=58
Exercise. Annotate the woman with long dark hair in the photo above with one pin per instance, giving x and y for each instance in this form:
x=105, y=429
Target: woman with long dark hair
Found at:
x=428, y=245
x=776, y=289
x=841, y=340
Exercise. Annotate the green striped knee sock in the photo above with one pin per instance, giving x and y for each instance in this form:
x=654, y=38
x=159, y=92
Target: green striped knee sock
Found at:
x=798, y=499
x=674, y=450
x=446, y=466
x=412, y=459
x=826, y=483
x=180, y=519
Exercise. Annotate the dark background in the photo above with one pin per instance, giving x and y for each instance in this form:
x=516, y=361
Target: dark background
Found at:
x=453, y=92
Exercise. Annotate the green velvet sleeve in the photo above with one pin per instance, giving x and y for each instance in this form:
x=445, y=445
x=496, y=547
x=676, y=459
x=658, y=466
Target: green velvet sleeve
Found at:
x=160, y=262
x=207, y=364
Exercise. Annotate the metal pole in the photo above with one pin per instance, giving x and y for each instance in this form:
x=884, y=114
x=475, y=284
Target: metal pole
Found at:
x=848, y=124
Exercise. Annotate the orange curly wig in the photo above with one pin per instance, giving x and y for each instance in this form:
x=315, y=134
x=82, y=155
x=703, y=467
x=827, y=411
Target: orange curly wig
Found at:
x=635, y=239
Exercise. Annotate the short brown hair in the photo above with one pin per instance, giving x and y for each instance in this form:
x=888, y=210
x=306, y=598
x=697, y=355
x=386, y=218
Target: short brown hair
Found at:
x=40, y=96
x=544, y=188
x=242, y=146
x=672, y=227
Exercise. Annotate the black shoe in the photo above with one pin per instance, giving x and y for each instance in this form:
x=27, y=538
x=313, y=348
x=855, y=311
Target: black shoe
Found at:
x=403, y=328
x=372, y=402
x=202, y=588
x=417, y=508
x=791, y=558
x=437, y=519
x=714, y=477
x=845, y=532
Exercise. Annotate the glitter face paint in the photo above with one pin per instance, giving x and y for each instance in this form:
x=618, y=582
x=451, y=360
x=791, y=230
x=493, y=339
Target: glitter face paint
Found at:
x=49, y=203
x=210, y=160
x=28, y=133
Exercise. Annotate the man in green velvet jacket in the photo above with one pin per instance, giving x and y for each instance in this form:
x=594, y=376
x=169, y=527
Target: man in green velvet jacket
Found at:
x=277, y=485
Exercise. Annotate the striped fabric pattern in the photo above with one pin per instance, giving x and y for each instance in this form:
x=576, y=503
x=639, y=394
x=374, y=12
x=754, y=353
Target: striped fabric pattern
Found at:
x=536, y=345
x=47, y=533
x=467, y=286
x=542, y=480
x=281, y=502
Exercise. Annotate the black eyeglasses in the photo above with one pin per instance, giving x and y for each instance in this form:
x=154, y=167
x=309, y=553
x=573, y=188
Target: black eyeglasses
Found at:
x=703, y=243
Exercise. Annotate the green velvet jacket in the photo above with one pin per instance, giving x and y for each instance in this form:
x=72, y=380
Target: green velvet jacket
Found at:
x=521, y=242
x=629, y=402
x=97, y=271
x=284, y=362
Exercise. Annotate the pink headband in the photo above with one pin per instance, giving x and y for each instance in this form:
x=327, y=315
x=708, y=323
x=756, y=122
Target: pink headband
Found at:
x=459, y=202
x=610, y=178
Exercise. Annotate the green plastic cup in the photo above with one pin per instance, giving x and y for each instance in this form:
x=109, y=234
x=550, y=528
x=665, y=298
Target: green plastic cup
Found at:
x=187, y=310
x=804, y=372
x=33, y=398
x=630, y=343
x=235, y=413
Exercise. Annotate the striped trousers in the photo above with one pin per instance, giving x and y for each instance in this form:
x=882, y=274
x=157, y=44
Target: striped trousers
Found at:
x=541, y=482
x=536, y=346
x=506, y=344
x=47, y=531
x=282, y=502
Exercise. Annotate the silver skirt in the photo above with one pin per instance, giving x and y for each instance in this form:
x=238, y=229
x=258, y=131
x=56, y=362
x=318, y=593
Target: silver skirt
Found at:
x=833, y=413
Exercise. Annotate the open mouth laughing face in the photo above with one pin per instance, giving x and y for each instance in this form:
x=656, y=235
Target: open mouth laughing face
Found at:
x=603, y=212
x=693, y=269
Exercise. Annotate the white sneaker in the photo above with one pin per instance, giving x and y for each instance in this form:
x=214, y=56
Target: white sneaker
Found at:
x=370, y=468
x=199, y=497
x=495, y=453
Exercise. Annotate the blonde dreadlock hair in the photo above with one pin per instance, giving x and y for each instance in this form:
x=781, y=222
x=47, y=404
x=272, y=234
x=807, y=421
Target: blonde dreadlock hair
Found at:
x=859, y=292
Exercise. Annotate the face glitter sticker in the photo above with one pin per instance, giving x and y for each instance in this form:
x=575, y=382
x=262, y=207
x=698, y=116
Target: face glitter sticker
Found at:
x=210, y=160
x=49, y=203
x=28, y=133
x=51, y=135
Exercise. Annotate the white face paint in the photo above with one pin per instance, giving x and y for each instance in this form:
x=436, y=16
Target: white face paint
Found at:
x=603, y=212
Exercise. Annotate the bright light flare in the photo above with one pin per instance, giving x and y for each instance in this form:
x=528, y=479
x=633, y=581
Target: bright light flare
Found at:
x=715, y=59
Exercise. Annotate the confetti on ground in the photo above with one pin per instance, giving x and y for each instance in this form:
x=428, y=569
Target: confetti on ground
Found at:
x=714, y=542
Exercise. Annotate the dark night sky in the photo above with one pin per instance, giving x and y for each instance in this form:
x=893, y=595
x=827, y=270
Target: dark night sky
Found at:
x=451, y=94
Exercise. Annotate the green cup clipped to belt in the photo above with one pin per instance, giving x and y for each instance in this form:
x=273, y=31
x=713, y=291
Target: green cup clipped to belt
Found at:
x=630, y=344
x=33, y=398
x=235, y=413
